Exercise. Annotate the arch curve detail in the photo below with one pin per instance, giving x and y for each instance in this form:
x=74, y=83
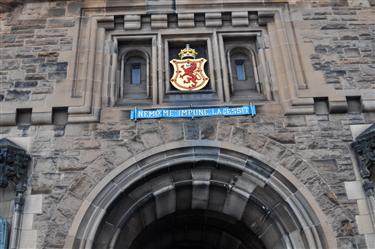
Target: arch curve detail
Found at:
x=259, y=170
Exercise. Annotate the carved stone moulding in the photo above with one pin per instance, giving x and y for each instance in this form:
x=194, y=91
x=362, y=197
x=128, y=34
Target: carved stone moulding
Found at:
x=13, y=163
x=364, y=146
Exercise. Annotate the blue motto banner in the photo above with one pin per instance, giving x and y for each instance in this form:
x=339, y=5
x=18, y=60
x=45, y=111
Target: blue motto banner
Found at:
x=248, y=110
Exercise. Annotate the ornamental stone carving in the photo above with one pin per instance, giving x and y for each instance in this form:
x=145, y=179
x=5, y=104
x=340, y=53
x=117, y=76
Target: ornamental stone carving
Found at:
x=13, y=164
x=364, y=147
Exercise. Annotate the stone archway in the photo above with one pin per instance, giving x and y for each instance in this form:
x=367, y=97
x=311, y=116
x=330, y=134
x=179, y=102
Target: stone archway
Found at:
x=228, y=194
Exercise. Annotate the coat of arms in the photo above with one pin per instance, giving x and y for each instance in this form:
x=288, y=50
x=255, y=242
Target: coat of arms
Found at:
x=189, y=72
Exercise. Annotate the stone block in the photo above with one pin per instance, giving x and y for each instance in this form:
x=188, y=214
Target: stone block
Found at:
x=208, y=130
x=368, y=105
x=283, y=138
x=213, y=19
x=165, y=201
x=363, y=207
x=159, y=21
x=81, y=187
x=9, y=65
x=364, y=224
x=41, y=118
x=354, y=190
x=6, y=208
x=108, y=135
x=18, y=95
x=335, y=26
x=295, y=121
x=191, y=130
x=224, y=131
x=52, y=66
x=61, y=23
x=132, y=22
x=151, y=139
x=27, y=221
x=28, y=239
x=273, y=150
x=235, y=203
x=241, y=137
x=77, y=130
x=33, y=204
x=186, y=20
x=53, y=12
x=200, y=194
x=57, y=76
x=338, y=106
x=7, y=119
x=172, y=131
x=68, y=163
x=240, y=18
x=370, y=238
x=74, y=8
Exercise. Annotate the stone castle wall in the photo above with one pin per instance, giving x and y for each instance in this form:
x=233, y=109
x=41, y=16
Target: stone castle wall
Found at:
x=36, y=39
x=67, y=166
x=37, y=44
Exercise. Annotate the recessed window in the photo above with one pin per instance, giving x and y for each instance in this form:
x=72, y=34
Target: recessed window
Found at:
x=240, y=70
x=136, y=73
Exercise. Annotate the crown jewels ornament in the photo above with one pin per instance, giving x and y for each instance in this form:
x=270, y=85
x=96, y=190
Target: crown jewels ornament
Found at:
x=187, y=52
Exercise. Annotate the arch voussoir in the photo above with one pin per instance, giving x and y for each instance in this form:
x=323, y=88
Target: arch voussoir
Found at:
x=258, y=169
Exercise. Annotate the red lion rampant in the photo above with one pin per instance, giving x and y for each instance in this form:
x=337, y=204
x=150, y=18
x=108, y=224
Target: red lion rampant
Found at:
x=189, y=72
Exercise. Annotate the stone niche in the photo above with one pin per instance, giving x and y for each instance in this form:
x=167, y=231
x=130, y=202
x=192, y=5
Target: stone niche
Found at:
x=283, y=77
x=103, y=39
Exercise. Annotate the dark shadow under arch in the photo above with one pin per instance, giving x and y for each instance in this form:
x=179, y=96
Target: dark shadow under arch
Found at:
x=244, y=183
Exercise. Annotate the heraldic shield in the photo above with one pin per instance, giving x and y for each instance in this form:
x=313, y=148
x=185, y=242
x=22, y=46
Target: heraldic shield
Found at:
x=189, y=72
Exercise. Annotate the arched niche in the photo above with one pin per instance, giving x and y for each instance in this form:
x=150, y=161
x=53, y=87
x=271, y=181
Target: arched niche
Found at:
x=242, y=59
x=133, y=76
x=185, y=182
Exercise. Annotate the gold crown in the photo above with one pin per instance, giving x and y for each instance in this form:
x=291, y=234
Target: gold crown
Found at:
x=187, y=52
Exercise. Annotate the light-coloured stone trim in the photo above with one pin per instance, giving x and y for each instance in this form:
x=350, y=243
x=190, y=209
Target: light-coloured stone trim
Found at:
x=107, y=183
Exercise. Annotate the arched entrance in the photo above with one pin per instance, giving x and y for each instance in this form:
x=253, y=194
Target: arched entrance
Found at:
x=197, y=196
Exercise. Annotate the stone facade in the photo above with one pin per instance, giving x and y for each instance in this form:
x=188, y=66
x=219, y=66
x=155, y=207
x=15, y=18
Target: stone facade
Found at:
x=317, y=52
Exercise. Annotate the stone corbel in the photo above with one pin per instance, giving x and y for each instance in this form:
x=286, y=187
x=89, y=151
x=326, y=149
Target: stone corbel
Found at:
x=364, y=146
x=264, y=17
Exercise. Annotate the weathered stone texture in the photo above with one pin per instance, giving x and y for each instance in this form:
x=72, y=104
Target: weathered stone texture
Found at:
x=32, y=41
x=69, y=161
x=344, y=39
x=68, y=166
